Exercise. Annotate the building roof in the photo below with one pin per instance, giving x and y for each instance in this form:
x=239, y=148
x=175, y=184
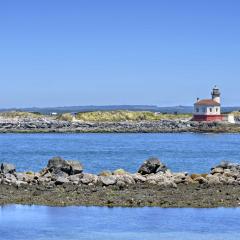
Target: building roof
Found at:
x=207, y=102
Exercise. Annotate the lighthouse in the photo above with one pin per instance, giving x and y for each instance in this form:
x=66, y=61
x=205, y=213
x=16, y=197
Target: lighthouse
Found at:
x=216, y=94
x=208, y=109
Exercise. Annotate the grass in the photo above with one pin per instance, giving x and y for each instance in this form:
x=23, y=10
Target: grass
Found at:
x=18, y=114
x=100, y=116
x=236, y=114
x=118, y=116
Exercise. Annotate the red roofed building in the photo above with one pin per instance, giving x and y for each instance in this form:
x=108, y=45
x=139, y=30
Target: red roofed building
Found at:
x=209, y=109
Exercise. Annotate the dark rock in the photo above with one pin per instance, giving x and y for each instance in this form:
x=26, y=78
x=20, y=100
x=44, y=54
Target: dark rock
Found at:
x=8, y=168
x=152, y=165
x=58, y=165
x=55, y=163
x=75, y=167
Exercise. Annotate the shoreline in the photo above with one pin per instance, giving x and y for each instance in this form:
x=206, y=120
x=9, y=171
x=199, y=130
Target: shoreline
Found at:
x=162, y=126
x=63, y=183
x=183, y=197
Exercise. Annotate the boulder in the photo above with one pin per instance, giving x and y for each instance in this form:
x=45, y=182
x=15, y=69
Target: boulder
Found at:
x=180, y=178
x=57, y=165
x=107, y=180
x=7, y=168
x=19, y=183
x=9, y=178
x=61, y=180
x=75, y=167
x=20, y=176
x=57, y=173
x=201, y=180
x=152, y=165
x=138, y=177
x=75, y=178
x=228, y=165
x=217, y=170
x=88, y=178
x=156, y=177
x=105, y=173
x=213, y=179
x=126, y=178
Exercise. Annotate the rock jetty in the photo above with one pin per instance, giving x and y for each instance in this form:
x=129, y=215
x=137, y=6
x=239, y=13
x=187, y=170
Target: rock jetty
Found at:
x=52, y=125
x=63, y=182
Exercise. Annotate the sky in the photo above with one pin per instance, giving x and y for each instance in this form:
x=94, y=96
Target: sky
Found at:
x=91, y=52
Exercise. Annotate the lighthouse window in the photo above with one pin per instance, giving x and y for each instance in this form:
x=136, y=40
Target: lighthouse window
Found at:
x=210, y=109
x=216, y=109
x=197, y=109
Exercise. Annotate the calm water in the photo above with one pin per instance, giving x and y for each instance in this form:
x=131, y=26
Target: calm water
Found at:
x=181, y=152
x=75, y=223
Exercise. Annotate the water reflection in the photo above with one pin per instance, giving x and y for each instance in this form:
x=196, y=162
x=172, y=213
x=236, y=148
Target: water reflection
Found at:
x=38, y=222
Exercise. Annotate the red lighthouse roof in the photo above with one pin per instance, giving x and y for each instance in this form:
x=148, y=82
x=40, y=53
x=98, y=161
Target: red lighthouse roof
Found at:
x=207, y=102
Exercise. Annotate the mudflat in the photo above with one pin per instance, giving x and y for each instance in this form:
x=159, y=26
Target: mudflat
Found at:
x=63, y=182
x=138, y=195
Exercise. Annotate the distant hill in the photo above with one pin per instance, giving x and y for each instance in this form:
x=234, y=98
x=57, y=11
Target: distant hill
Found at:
x=152, y=108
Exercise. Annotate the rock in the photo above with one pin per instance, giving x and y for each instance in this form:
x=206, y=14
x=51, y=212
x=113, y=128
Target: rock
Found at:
x=138, y=177
x=201, y=180
x=121, y=184
x=7, y=168
x=213, y=179
x=75, y=167
x=57, y=173
x=217, y=170
x=89, y=178
x=9, y=178
x=159, y=177
x=105, y=173
x=152, y=182
x=20, y=176
x=107, y=180
x=75, y=178
x=44, y=180
x=126, y=178
x=20, y=183
x=58, y=164
x=228, y=173
x=61, y=180
x=152, y=165
x=47, y=175
x=180, y=178
x=231, y=181
x=194, y=176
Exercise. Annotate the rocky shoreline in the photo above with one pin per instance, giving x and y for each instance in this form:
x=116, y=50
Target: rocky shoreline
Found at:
x=64, y=183
x=48, y=125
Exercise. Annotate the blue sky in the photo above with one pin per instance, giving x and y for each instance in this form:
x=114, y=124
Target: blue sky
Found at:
x=83, y=52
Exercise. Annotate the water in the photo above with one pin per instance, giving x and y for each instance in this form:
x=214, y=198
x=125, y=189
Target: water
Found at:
x=181, y=152
x=95, y=223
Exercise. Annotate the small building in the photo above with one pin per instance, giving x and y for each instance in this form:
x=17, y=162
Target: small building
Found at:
x=209, y=109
